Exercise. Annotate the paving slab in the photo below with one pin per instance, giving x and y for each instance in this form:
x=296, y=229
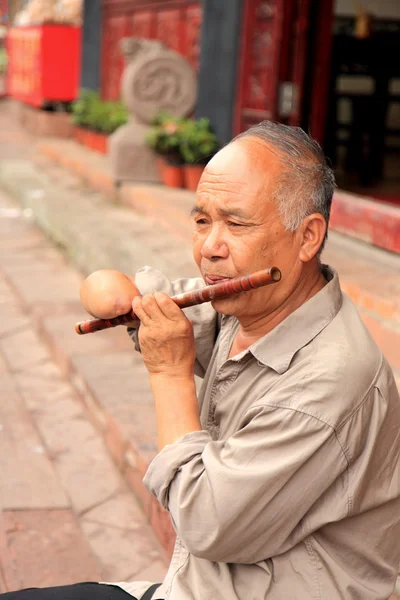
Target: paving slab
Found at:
x=120, y=512
x=23, y=349
x=27, y=476
x=13, y=321
x=87, y=473
x=123, y=554
x=47, y=548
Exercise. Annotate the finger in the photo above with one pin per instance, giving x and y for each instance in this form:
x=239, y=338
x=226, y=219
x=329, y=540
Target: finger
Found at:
x=168, y=307
x=150, y=306
x=137, y=307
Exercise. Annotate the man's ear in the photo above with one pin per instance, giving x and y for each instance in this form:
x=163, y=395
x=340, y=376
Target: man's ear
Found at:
x=313, y=232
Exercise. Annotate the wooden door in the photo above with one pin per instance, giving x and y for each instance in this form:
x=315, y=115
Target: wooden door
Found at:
x=284, y=65
x=264, y=35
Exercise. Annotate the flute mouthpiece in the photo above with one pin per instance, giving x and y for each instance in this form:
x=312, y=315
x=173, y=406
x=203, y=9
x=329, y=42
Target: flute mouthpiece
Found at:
x=276, y=274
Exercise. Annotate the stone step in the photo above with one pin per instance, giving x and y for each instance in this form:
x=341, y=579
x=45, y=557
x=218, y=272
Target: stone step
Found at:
x=356, y=216
x=377, y=223
x=110, y=378
x=369, y=275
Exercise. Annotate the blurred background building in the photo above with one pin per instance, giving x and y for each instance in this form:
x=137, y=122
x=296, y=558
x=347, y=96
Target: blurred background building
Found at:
x=329, y=66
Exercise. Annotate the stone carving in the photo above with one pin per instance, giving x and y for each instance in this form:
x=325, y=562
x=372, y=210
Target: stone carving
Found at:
x=155, y=78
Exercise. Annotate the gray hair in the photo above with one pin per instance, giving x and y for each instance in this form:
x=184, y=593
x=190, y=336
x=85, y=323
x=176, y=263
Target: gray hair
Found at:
x=307, y=184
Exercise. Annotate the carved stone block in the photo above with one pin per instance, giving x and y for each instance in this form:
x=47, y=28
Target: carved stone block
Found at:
x=155, y=78
x=131, y=158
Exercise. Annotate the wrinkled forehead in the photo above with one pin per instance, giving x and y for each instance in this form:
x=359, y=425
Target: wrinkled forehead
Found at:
x=244, y=166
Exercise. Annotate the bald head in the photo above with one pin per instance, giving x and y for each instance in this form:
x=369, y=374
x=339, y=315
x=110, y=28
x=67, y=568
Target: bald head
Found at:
x=305, y=183
x=244, y=164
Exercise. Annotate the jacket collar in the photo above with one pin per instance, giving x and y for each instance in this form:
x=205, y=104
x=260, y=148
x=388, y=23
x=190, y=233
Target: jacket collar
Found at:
x=277, y=348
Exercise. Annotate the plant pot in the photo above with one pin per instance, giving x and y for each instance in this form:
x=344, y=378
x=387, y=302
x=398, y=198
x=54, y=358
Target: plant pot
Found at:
x=102, y=143
x=192, y=174
x=99, y=142
x=80, y=135
x=171, y=175
x=93, y=140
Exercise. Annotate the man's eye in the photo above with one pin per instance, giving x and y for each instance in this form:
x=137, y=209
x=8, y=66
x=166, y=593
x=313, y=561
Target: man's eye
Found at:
x=232, y=224
x=201, y=222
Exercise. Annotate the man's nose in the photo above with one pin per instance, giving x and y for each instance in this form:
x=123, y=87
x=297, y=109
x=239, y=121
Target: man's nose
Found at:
x=214, y=245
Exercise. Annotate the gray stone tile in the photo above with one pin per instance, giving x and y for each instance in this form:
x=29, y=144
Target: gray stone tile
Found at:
x=27, y=476
x=47, y=548
x=122, y=512
x=122, y=553
x=23, y=349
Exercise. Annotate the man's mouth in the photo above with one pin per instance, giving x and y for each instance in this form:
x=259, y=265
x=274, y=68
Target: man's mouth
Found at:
x=213, y=279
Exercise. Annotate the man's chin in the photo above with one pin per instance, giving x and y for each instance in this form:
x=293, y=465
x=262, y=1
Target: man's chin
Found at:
x=227, y=306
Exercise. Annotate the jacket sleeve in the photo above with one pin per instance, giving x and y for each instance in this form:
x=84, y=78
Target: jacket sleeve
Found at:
x=205, y=321
x=243, y=500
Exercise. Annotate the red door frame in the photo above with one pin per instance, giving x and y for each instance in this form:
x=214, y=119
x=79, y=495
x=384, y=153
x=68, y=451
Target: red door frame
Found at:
x=291, y=38
x=301, y=32
x=257, y=92
x=321, y=70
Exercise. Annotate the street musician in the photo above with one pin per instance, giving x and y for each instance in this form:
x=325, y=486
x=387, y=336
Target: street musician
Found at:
x=282, y=475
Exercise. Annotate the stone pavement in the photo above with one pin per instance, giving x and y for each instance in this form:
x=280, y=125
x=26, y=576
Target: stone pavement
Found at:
x=66, y=513
x=97, y=232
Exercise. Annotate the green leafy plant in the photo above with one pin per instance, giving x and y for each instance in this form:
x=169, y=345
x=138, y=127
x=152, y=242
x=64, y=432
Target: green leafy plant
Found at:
x=92, y=112
x=198, y=142
x=3, y=60
x=180, y=141
x=164, y=137
x=82, y=106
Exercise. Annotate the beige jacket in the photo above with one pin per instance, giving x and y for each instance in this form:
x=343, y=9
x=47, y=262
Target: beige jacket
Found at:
x=292, y=489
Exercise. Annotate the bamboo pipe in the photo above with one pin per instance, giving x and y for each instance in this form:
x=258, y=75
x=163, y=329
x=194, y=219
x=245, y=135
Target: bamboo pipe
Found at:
x=205, y=294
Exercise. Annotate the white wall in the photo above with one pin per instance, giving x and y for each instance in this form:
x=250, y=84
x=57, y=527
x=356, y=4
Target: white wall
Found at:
x=385, y=9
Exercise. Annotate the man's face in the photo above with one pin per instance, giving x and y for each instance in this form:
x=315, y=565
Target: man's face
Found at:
x=238, y=230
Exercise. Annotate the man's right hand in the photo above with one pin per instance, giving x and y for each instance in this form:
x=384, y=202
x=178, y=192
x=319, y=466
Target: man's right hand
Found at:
x=107, y=293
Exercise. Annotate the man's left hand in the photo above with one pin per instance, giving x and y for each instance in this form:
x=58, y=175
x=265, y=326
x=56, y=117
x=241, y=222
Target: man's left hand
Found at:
x=165, y=336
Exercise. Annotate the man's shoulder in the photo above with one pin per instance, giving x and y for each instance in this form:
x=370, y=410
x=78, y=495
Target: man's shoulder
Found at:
x=341, y=368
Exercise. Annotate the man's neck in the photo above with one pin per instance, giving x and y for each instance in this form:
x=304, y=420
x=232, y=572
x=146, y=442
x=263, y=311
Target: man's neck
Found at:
x=252, y=330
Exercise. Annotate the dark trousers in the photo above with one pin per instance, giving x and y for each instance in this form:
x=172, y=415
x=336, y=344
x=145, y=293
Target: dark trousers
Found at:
x=77, y=591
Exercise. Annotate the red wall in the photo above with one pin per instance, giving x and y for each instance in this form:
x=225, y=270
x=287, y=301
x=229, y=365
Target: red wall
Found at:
x=175, y=22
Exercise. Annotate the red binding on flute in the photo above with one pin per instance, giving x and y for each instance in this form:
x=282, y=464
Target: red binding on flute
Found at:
x=206, y=294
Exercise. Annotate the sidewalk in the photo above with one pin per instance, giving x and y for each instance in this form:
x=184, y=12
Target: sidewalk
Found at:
x=96, y=232
x=67, y=514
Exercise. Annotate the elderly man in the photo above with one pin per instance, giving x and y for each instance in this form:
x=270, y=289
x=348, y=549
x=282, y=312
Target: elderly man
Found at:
x=282, y=478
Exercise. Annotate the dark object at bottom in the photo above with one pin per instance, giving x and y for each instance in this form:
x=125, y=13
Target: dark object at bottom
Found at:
x=150, y=592
x=78, y=591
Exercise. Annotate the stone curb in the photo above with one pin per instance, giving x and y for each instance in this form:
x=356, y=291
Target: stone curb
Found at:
x=374, y=222
x=173, y=214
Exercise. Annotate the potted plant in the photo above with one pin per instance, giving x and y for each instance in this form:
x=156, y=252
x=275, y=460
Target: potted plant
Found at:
x=80, y=111
x=164, y=138
x=95, y=120
x=3, y=70
x=198, y=145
